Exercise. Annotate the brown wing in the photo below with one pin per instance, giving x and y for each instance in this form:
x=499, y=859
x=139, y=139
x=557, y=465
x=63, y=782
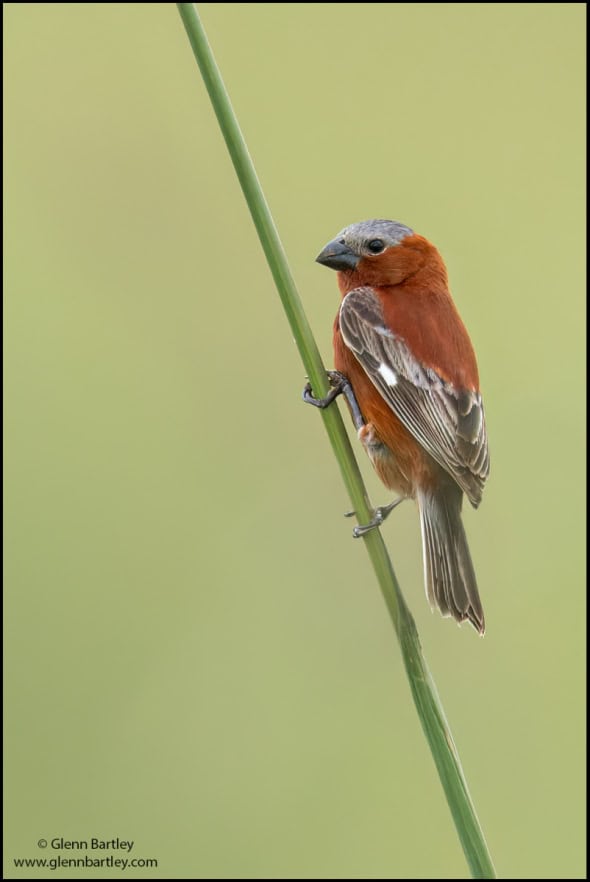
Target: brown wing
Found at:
x=448, y=422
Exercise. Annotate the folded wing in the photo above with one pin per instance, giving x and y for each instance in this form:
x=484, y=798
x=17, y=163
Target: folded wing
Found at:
x=448, y=422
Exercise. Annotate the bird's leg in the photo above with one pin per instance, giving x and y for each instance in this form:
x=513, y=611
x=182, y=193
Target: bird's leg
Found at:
x=380, y=514
x=340, y=386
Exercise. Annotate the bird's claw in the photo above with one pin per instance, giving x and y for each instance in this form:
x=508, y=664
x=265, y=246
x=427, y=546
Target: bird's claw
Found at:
x=363, y=529
x=382, y=512
x=338, y=382
x=340, y=386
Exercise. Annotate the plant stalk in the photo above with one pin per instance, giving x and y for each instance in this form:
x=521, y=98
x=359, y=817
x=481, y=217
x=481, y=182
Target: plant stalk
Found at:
x=428, y=705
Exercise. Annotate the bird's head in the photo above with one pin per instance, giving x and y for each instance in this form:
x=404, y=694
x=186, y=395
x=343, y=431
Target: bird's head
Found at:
x=376, y=253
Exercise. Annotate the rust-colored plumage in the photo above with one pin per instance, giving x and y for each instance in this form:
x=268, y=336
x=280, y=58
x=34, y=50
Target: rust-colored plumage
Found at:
x=400, y=341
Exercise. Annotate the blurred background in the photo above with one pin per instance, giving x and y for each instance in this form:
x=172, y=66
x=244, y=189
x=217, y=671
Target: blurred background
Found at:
x=198, y=655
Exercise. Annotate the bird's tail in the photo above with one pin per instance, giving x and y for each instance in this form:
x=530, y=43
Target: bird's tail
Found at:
x=448, y=570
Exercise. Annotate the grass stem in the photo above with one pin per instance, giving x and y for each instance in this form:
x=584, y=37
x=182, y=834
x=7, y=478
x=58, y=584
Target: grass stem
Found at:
x=424, y=692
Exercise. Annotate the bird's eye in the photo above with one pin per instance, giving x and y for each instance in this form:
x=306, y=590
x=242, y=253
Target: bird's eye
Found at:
x=376, y=246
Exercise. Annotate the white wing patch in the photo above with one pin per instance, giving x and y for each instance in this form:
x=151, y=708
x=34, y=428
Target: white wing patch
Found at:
x=388, y=375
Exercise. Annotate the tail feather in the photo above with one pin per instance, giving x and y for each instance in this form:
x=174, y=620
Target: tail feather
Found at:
x=448, y=570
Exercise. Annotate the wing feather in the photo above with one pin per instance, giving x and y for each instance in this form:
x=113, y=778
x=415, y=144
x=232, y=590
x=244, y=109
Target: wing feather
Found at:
x=448, y=422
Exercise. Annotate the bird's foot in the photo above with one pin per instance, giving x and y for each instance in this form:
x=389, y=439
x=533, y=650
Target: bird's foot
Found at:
x=338, y=382
x=380, y=515
x=340, y=386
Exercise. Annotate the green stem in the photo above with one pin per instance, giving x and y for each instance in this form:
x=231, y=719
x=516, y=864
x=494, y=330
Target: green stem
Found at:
x=424, y=692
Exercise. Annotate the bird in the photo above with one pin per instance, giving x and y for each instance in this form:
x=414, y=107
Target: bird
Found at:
x=405, y=363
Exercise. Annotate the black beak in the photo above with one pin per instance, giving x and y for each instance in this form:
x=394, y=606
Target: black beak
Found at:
x=338, y=256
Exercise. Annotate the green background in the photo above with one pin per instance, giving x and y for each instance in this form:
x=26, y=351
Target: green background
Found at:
x=198, y=656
